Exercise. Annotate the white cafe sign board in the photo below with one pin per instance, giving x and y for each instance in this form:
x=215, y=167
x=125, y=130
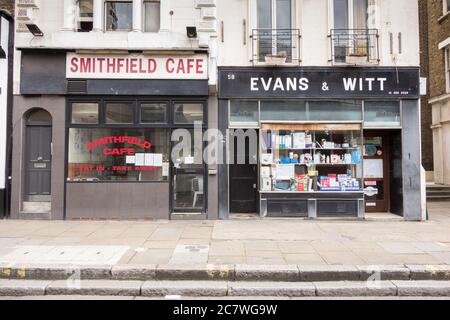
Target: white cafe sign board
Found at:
x=136, y=66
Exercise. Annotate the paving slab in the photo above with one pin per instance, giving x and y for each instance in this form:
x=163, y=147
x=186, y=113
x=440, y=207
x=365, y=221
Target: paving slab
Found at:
x=353, y=289
x=23, y=287
x=95, y=288
x=423, y=288
x=274, y=289
x=266, y=273
x=184, y=288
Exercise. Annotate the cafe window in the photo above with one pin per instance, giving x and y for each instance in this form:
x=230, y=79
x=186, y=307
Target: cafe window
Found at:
x=85, y=113
x=382, y=114
x=118, y=154
x=152, y=11
x=128, y=141
x=119, y=113
x=188, y=113
x=119, y=15
x=85, y=16
x=155, y=113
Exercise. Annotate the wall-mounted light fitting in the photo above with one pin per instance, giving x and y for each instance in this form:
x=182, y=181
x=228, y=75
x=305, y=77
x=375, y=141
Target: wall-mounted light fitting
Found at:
x=191, y=32
x=34, y=29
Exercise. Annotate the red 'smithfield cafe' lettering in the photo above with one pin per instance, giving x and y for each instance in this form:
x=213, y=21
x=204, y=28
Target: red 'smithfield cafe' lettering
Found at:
x=119, y=151
x=184, y=66
x=118, y=139
x=136, y=65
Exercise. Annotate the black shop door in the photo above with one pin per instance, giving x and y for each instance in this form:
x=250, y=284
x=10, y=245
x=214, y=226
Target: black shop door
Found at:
x=244, y=175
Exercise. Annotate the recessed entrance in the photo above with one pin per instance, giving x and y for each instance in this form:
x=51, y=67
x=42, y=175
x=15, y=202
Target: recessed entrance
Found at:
x=38, y=158
x=244, y=175
x=383, y=171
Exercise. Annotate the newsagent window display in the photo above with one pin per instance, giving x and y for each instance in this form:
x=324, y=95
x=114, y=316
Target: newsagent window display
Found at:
x=311, y=158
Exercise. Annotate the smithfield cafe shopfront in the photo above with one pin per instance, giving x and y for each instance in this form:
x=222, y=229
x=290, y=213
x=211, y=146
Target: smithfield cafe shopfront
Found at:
x=321, y=142
x=93, y=139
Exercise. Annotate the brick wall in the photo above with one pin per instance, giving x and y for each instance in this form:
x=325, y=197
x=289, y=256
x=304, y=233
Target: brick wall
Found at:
x=7, y=5
x=426, y=115
x=438, y=30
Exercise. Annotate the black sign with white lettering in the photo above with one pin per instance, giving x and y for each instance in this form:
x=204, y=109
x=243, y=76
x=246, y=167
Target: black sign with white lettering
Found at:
x=317, y=83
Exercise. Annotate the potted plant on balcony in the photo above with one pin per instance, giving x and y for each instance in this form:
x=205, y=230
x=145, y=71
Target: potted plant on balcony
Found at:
x=279, y=58
x=357, y=57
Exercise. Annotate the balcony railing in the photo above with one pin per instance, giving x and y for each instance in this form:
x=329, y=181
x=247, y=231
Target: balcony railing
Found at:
x=276, y=46
x=355, y=46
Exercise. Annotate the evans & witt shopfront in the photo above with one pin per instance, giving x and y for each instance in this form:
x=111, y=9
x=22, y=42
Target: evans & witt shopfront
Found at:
x=93, y=131
x=331, y=142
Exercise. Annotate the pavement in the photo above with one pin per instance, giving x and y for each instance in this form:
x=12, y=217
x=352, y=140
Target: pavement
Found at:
x=239, y=241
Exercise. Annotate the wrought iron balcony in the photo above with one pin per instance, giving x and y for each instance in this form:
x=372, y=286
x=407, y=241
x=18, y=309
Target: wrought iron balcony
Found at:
x=276, y=46
x=355, y=46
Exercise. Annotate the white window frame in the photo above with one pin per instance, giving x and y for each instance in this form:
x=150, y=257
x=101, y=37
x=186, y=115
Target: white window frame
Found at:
x=445, y=4
x=374, y=3
x=105, y=20
x=145, y=13
x=296, y=8
x=83, y=19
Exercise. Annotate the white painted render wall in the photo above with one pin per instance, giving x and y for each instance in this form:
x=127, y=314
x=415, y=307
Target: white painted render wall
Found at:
x=3, y=99
x=315, y=21
x=231, y=43
x=176, y=15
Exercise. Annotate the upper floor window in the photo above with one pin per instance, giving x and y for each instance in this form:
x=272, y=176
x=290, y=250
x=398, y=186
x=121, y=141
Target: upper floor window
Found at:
x=274, y=37
x=446, y=6
x=85, y=16
x=274, y=14
x=152, y=10
x=353, y=37
x=351, y=14
x=118, y=15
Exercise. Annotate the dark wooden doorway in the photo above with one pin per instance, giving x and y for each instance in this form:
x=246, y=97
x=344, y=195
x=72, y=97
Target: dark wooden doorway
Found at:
x=38, y=162
x=376, y=171
x=243, y=183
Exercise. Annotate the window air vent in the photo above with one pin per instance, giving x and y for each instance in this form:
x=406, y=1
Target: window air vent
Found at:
x=77, y=86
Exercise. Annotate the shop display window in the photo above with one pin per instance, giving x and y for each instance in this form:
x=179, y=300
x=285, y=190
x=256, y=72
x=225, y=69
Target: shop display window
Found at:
x=345, y=110
x=244, y=112
x=283, y=110
x=311, y=158
x=382, y=114
x=117, y=154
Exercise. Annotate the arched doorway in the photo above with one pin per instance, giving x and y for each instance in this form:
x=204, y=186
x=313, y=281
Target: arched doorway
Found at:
x=38, y=156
